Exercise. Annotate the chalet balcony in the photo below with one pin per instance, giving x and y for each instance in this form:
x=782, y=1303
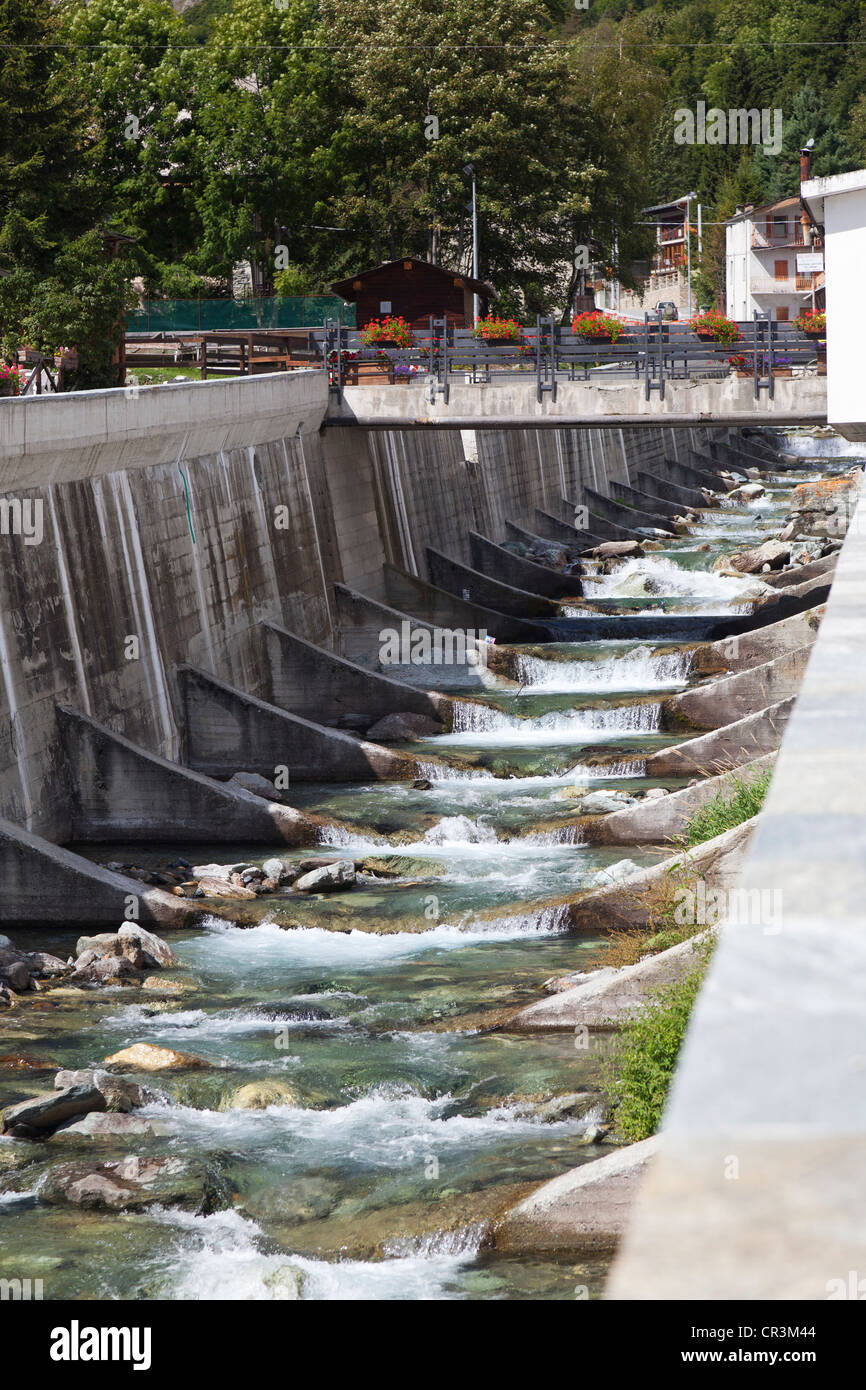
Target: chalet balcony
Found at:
x=764, y=239
x=791, y=284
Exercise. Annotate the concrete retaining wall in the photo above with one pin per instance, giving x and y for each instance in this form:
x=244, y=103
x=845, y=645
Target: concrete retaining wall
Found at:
x=178, y=519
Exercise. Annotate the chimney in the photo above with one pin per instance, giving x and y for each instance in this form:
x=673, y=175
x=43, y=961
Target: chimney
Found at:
x=808, y=231
x=805, y=165
x=737, y=210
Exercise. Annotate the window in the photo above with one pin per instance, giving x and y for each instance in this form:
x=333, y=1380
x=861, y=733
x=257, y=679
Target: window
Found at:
x=780, y=270
x=782, y=314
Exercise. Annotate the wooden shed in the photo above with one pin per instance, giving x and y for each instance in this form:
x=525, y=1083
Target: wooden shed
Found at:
x=413, y=290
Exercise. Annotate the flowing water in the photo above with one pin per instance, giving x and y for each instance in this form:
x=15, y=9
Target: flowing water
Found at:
x=407, y=1121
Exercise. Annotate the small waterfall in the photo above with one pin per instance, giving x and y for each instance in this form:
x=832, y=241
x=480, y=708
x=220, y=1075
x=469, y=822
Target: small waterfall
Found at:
x=471, y=718
x=641, y=668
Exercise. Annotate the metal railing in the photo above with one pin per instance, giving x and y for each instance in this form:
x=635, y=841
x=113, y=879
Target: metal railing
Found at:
x=656, y=351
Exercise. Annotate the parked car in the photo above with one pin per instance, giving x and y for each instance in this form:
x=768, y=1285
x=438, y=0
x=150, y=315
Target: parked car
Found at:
x=668, y=309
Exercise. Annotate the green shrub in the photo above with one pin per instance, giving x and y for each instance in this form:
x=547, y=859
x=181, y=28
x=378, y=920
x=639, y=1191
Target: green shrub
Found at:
x=726, y=811
x=642, y=1059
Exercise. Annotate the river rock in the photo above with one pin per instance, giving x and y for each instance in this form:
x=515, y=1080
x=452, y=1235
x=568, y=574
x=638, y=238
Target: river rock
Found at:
x=103, y=970
x=222, y=888
x=773, y=553
x=17, y=974
x=330, y=878
x=25, y=1061
x=258, y=1095
x=105, y=943
x=131, y=1183
x=42, y=1114
x=748, y=491
x=105, y=1126
x=277, y=870
x=655, y=793
x=603, y=802
x=120, y=1093
x=397, y=727
x=5, y=943
x=615, y=873
x=258, y=785
x=148, y=1057
x=156, y=952
x=624, y=550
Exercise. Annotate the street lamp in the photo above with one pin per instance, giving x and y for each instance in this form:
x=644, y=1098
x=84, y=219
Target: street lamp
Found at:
x=469, y=170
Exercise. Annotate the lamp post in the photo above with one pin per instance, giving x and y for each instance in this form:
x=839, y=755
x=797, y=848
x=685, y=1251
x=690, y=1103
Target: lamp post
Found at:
x=688, y=202
x=469, y=169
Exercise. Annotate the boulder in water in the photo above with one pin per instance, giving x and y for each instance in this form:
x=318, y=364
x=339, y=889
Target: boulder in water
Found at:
x=773, y=553
x=624, y=550
x=120, y=1094
x=603, y=802
x=223, y=888
x=258, y=785
x=615, y=873
x=278, y=871
x=156, y=952
x=748, y=491
x=131, y=1183
x=398, y=727
x=147, y=1057
x=258, y=1095
x=41, y=1115
x=330, y=878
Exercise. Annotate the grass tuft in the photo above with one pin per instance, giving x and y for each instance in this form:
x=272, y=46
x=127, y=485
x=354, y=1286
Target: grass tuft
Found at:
x=727, y=810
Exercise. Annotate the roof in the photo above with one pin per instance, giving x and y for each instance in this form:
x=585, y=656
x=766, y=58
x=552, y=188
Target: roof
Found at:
x=814, y=191
x=763, y=209
x=344, y=287
x=676, y=204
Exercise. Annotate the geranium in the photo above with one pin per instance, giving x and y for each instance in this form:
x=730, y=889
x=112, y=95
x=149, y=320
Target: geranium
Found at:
x=595, y=324
x=495, y=327
x=390, y=330
x=739, y=362
x=812, y=321
x=712, y=324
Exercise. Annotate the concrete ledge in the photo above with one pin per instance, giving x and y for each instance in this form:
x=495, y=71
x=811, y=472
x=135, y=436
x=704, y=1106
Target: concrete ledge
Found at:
x=582, y=1211
x=687, y=476
x=690, y=498
x=644, y=502
x=772, y=1073
x=590, y=405
x=544, y=546
x=443, y=608
x=736, y=743
x=608, y=997
x=123, y=792
x=227, y=731
x=474, y=587
x=651, y=822
x=46, y=886
x=83, y=434
x=492, y=560
x=750, y=649
x=801, y=574
x=362, y=621
x=311, y=682
x=722, y=701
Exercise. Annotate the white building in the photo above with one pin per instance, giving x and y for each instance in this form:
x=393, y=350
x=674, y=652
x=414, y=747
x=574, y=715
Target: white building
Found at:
x=761, y=249
x=838, y=205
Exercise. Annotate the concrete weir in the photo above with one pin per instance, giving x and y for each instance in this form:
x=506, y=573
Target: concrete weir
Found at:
x=323, y=687
x=735, y=697
x=449, y=609
x=726, y=747
x=228, y=731
x=44, y=885
x=503, y=565
x=476, y=587
x=122, y=792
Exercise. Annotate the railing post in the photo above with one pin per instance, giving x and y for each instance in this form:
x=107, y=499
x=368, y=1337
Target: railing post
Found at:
x=650, y=384
x=442, y=383
x=762, y=322
x=542, y=383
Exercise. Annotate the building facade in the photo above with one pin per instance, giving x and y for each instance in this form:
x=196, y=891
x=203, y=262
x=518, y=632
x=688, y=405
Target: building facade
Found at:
x=761, y=249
